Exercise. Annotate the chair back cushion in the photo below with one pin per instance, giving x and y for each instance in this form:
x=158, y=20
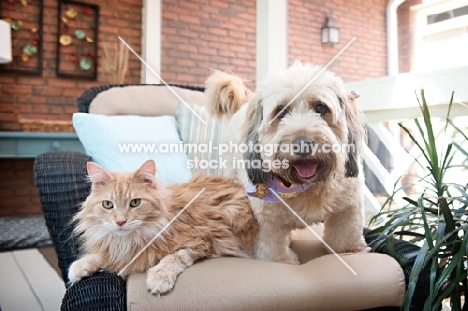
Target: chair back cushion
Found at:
x=143, y=100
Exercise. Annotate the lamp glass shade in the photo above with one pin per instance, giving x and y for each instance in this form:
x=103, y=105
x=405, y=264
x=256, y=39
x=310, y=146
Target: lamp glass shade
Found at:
x=5, y=39
x=334, y=34
x=325, y=35
x=330, y=31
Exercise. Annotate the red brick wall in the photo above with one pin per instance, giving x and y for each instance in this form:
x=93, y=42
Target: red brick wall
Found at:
x=51, y=98
x=18, y=194
x=199, y=35
x=363, y=19
x=405, y=35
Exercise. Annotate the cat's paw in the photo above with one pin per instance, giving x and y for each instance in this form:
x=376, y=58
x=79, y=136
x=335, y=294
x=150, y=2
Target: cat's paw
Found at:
x=160, y=279
x=83, y=267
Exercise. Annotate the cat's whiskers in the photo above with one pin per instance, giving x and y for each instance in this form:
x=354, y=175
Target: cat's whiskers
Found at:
x=73, y=234
x=110, y=225
x=134, y=223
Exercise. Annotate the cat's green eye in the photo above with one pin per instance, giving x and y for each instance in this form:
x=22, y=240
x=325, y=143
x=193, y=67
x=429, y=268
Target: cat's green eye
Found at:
x=107, y=204
x=135, y=202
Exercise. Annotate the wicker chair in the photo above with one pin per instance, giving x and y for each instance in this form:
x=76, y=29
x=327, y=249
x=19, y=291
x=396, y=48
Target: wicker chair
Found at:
x=62, y=183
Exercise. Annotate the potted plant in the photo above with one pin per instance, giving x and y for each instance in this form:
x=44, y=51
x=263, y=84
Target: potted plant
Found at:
x=435, y=218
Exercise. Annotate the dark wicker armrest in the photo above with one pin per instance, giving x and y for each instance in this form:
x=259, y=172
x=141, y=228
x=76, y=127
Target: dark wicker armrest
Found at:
x=103, y=291
x=404, y=249
x=61, y=180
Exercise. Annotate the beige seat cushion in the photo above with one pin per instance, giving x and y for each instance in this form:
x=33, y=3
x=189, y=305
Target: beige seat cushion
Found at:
x=323, y=283
x=143, y=100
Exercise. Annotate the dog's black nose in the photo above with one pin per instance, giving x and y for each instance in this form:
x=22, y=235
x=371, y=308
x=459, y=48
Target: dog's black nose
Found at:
x=302, y=146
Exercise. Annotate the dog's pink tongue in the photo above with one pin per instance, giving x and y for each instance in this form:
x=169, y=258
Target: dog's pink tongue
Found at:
x=306, y=169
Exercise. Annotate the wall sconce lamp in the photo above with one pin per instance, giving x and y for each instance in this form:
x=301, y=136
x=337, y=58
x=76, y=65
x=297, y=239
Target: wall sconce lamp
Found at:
x=330, y=31
x=5, y=39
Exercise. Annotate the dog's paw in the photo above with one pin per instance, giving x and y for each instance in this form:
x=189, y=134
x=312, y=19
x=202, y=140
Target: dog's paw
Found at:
x=349, y=247
x=160, y=279
x=83, y=267
x=361, y=246
x=290, y=257
x=355, y=247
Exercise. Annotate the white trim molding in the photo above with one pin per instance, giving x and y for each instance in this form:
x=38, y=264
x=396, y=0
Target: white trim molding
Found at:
x=272, y=36
x=151, y=40
x=392, y=37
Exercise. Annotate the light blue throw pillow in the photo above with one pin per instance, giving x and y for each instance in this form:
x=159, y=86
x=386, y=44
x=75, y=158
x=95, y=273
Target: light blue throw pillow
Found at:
x=109, y=141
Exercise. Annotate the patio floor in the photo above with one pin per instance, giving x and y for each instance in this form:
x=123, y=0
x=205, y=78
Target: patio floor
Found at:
x=29, y=282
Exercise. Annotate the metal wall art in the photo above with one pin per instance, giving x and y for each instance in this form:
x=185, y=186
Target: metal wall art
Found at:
x=77, y=36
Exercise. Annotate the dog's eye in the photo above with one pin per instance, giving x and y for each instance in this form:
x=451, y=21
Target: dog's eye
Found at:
x=320, y=109
x=281, y=113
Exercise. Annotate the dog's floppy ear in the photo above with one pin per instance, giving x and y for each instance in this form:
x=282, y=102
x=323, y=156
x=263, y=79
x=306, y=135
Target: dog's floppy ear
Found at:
x=254, y=118
x=356, y=135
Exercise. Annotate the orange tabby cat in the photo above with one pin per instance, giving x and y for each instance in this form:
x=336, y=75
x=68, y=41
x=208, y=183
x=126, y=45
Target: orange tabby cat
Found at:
x=125, y=211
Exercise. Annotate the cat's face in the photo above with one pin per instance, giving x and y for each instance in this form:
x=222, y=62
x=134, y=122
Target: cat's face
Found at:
x=123, y=203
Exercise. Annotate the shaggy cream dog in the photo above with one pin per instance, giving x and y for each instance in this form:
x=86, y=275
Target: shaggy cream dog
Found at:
x=316, y=164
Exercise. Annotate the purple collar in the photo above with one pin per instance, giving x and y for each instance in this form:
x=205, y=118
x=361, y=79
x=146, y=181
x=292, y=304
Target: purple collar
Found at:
x=264, y=191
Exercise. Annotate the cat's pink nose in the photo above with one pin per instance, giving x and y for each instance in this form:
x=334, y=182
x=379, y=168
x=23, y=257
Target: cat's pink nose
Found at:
x=120, y=223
